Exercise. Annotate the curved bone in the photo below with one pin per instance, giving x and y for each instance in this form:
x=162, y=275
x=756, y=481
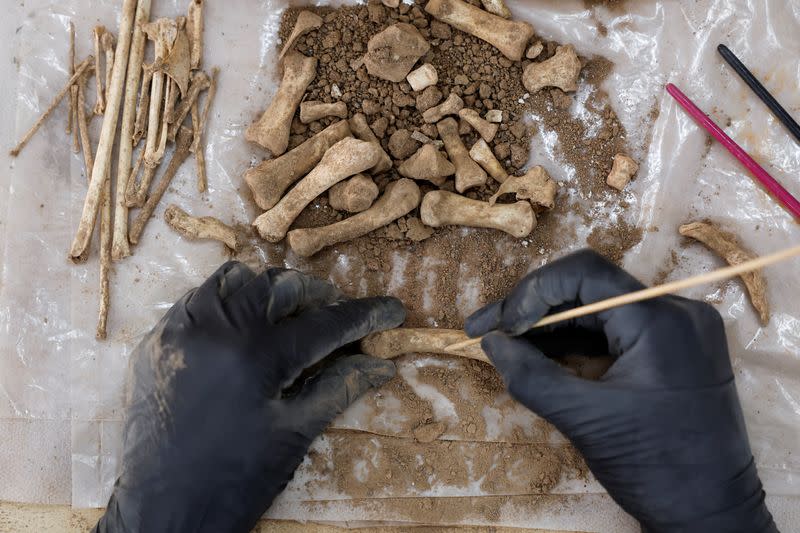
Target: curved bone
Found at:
x=361, y=130
x=344, y=159
x=468, y=173
x=311, y=111
x=510, y=37
x=306, y=21
x=429, y=164
x=396, y=342
x=269, y=180
x=272, y=130
x=483, y=155
x=353, y=195
x=451, y=106
x=536, y=186
x=486, y=129
x=562, y=71
x=442, y=208
x=200, y=227
x=399, y=199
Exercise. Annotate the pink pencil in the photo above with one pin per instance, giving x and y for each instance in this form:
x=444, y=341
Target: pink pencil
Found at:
x=776, y=189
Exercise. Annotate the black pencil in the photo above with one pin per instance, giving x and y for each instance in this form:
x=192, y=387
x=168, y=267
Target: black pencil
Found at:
x=760, y=90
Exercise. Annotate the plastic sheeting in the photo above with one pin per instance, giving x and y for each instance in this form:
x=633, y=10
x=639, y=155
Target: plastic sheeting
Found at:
x=61, y=392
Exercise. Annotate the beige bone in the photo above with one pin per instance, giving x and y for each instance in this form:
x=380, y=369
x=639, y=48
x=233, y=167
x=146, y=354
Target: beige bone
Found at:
x=269, y=180
x=396, y=342
x=391, y=53
x=535, y=50
x=442, y=208
x=344, y=159
x=451, y=106
x=99, y=79
x=314, y=110
x=194, y=26
x=353, y=195
x=399, y=199
x=497, y=7
x=487, y=130
x=536, y=186
x=423, y=77
x=272, y=130
x=200, y=82
x=494, y=115
x=108, y=42
x=622, y=171
x=429, y=164
x=200, y=227
x=468, y=173
x=306, y=21
x=510, y=37
x=360, y=128
x=562, y=71
x=483, y=155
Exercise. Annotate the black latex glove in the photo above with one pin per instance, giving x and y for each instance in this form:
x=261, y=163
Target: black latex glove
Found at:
x=662, y=430
x=210, y=439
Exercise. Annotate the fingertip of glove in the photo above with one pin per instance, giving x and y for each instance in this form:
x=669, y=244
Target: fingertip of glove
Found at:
x=392, y=312
x=373, y=371
x=484, y=319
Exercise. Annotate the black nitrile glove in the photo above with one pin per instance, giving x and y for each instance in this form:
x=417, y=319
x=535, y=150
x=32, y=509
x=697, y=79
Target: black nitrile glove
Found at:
x=210, y=439
x=662, y=430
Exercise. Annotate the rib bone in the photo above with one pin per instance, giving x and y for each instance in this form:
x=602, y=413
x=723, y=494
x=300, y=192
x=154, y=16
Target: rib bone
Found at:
x=396, y=342
x=442, y=208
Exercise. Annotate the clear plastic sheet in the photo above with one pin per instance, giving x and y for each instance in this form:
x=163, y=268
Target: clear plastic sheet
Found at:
x=61, y=392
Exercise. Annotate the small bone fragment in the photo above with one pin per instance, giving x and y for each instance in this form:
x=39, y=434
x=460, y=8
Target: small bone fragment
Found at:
x=391, y=3
x=510, y=37
x=727, y=246
x=344, y=159
x=429, y=164
x=199, y=121
x=483, y=155
x=536, y=186
x=306, y=21
x=200, y=227
x=400, y=198
x=562, y=71
x=494, y=116
x=72, y=127
x=392, y=53
x=497, y=7
x=422, y=138
x=182, y=145
x=143, y=110
x=107, y=42
x=423, y=77
x=535, y=50
x=451, y=106
x=100, y=102
x=314, y=110
x=442, y=208
x=360, y=128
x=269, y=180
x=83, y=129
x=487, y=130
x=353, y=195
x=396, y=342
x=194, y=30
x=468, y=173
x=622, y=171
x=200, y=82
x=177, y=64
x=417, y=231
x=272, y=130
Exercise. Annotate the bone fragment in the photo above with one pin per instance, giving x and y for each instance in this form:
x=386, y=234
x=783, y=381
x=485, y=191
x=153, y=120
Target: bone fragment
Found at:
x=442, y=208
x=510, y=37
x=360, y=128
x=177, y=63
x=72, y=126
x=496, y=7
x=534, y=50
x=623, y=169
x=487, y=130
x=100, y=102
x=315, y=110
x=727, y=246
x=83, y=129
x=102, y=162
x=451, y=106
x=400, y=198
x=183, y=143
x=468, y=173
x=353, y=195
x=200, y=82
x=392, y=53
x=494, y=115
x=199, y=121
x=536, y=186
x=396, y=342
x=423, y=77
x=200, y=227
x=269, y=180
x=429, y=164
x=194, y=30
x=105, y=259
x=107, y=41
x=562, y=71
x=391, y=3
x=83, y=67
x=344, y=159
x=143, y=111
x=483, y=155
x=306, y=21
x=272, y=130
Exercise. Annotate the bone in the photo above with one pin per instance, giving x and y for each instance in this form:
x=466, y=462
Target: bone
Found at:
x=399, y=199
x=727, y=246
x=200, y=82
x=353, y=195
x=510, y=37
x=494, y=115
x=177, y=63
x=344, y=159
x=269, y=180
x=391, y=3
x=306, y=21
x=451, y=106
x=143, y=110
x=392, y=52
x=107, y=42
x=562, y=71
x=442, y=208
x=194, y=26
x=314, y=110
x=360, y=128
x=82, y=125
x=496, y=7
x=100, y=101
x=534, y=50
x=396, y=342
x=536, y=186
x=105, y=259
x=429, y=164
x=199, y=121
x=423, y=77
x=468, y=173
x=623, y=169
x=72, y=127
x=194, y=228
x=272, y=130
x=487, y=130
x=483, y=155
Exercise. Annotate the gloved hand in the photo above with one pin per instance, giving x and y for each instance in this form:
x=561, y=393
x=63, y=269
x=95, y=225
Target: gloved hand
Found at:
x=662, y=430
x=210, y=439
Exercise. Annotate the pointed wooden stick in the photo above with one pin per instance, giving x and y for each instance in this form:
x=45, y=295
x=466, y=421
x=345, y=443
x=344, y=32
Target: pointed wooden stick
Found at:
x=654, y=292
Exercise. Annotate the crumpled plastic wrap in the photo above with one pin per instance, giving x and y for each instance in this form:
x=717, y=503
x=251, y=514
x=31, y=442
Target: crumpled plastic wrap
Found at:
x=62, y=392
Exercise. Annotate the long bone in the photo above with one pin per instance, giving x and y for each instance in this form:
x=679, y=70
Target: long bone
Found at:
x=442, y=208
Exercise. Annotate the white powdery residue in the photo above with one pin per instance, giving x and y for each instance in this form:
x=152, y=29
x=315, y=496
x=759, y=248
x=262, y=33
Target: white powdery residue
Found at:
x=443, y=408
x=342, y=265
x=592, y=120
x=427, y=274
x=398, y=273
x=543, y=152
x=468, y=297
